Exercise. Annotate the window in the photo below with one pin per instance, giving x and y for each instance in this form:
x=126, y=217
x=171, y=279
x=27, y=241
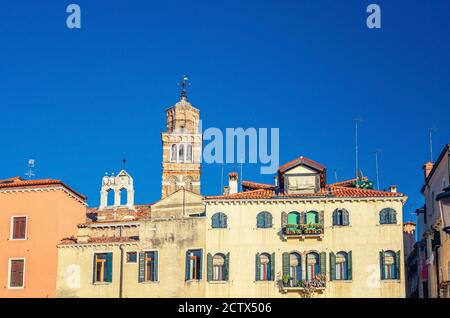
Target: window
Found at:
x=295, y=269
x=390, y=265
x=16, y=273
x=264, y=220
x=19, y=228
x=148, y=266
x=312, y=266
x=219, y=221
x=341, y=266
x=131, y=257
x=189, y=153
x=217, y=267
x=264, y=267
x=388, y=216
x=194, y=265
x=173, y=154
x=340, y=217
x=312, y=217
x=293, y=219
x=103, y=267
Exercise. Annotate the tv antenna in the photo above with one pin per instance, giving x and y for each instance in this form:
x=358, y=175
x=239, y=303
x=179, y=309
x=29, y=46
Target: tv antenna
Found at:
x=376, y=168
x=357, y=120
x=430, y=131
x=30, y=173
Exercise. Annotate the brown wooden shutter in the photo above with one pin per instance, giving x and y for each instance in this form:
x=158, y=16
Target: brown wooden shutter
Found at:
x=16, y=275
x=19, y=227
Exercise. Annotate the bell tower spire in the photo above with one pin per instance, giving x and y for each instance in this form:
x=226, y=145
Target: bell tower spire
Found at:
x=182, y=146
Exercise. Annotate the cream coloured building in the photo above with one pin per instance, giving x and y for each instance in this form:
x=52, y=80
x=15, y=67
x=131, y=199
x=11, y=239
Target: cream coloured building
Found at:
x=300, y=237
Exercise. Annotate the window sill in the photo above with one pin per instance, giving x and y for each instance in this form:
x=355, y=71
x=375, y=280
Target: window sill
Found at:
x=264, y=281
x=16, y=288
x=150, y=282
x=340, y=226
x=218, y=282
x=390, y=281
x=101, y=283
x=344, y=281
x=193, y=281
x=24, y=239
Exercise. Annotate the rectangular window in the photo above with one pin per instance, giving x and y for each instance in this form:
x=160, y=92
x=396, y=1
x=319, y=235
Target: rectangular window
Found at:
x=19, y=228
x=150, y=267
x=131, y=257
x=103, y=268
x=16, y=273
x=194, y=265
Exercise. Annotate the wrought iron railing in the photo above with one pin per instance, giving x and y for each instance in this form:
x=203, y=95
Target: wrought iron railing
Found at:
x=303, y=229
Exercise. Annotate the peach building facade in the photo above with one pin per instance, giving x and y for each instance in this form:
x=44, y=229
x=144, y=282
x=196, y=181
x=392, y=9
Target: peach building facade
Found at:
x=34, y=216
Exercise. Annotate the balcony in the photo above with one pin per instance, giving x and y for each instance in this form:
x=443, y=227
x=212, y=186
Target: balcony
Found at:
x=308, y=286
x=303, y=231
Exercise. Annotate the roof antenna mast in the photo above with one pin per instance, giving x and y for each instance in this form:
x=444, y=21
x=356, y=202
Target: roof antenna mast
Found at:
x=357, y=120
x=431, y=130
x=30, y=173
x=376, y=168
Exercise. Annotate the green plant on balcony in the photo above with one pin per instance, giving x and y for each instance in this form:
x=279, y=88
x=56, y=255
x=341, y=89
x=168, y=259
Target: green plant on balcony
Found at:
x=286, y=280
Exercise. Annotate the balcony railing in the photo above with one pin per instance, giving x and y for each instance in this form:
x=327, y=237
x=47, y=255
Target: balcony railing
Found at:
x=318, y=283
x=303, y=229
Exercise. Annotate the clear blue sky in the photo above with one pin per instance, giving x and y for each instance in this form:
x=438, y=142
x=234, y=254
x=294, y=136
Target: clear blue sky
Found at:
x=77, y=100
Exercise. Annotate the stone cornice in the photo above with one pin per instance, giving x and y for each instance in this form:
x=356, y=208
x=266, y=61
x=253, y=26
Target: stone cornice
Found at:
x=43, y=189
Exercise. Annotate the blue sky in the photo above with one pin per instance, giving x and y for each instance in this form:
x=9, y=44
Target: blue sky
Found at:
x=77, y=100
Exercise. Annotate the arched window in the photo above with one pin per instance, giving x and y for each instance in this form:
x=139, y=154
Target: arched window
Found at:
x=390, y=265
x=295, y=269
x=388, y=216
x=110, y=197
x=218, y=267
x=264, y=220
x=312, y=265
x=189, y=153
x=293, y=220
x=219, y=221
x=173, y=153
x=172, y=187
x=341, y=266
x=264, y=267
x=123, y=196
x=181, y=153
x=340, y=217
x=312, y=217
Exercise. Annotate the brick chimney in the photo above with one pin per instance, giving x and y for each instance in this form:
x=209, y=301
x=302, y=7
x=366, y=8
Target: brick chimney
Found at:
x=427, y=169
x=233, y=182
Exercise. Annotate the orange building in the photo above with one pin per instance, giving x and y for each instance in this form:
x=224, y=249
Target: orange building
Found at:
x=34, y=216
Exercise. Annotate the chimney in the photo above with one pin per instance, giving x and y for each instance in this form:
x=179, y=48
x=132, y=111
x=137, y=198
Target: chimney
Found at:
x=393, y=188
x=226, y=190
x=427, y=169
x=233, y=182
x=409, y=227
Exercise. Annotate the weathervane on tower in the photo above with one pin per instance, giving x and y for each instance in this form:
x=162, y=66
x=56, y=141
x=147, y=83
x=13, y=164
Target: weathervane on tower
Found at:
x=184, y=84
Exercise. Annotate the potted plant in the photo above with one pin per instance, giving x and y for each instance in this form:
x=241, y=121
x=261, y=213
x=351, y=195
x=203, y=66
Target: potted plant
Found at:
x=286, y=279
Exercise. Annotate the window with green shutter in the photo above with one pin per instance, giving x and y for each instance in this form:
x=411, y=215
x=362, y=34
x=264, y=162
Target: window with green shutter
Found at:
x=332, y=266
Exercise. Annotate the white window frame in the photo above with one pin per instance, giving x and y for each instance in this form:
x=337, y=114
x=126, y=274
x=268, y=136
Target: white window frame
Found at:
x=11, y=228
x=9, y=272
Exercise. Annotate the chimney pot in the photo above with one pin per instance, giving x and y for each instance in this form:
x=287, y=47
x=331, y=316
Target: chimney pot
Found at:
x=427, y=169
x=233, y=182
x=393, y=188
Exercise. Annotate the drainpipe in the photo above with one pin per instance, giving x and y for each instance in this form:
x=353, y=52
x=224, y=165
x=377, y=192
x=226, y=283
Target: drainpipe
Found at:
x=121, y=271
x=436, y=250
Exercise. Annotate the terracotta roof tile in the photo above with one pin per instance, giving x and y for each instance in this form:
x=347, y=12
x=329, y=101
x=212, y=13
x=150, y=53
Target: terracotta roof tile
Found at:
x=18, y=182
x=301, y=160
x=256, y=185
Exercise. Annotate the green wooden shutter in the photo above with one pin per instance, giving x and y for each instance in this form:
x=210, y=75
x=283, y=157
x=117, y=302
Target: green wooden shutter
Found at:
x=141, y=269
x=323, y=262
x=268, y=220
x=209, y=267
x=200, y=270
x=188, y=267
x=272, y=267
x=109, y=267
x=226, y=268
x=260, y=220
x=286, y=264
x=257, y=267
x=349, y=266
x=93, y=268
x=397, y=265
x=332, y=266
x=345, y=217
x=382, y=265
x=155, y=267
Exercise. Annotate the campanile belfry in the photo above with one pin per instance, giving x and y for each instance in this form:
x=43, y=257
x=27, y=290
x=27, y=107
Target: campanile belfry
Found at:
x=182, y=147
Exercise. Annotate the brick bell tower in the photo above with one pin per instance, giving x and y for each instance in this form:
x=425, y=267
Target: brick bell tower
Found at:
x=182, y=147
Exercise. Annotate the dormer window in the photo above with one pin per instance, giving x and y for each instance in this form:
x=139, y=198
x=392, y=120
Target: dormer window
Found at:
x=302, y=183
